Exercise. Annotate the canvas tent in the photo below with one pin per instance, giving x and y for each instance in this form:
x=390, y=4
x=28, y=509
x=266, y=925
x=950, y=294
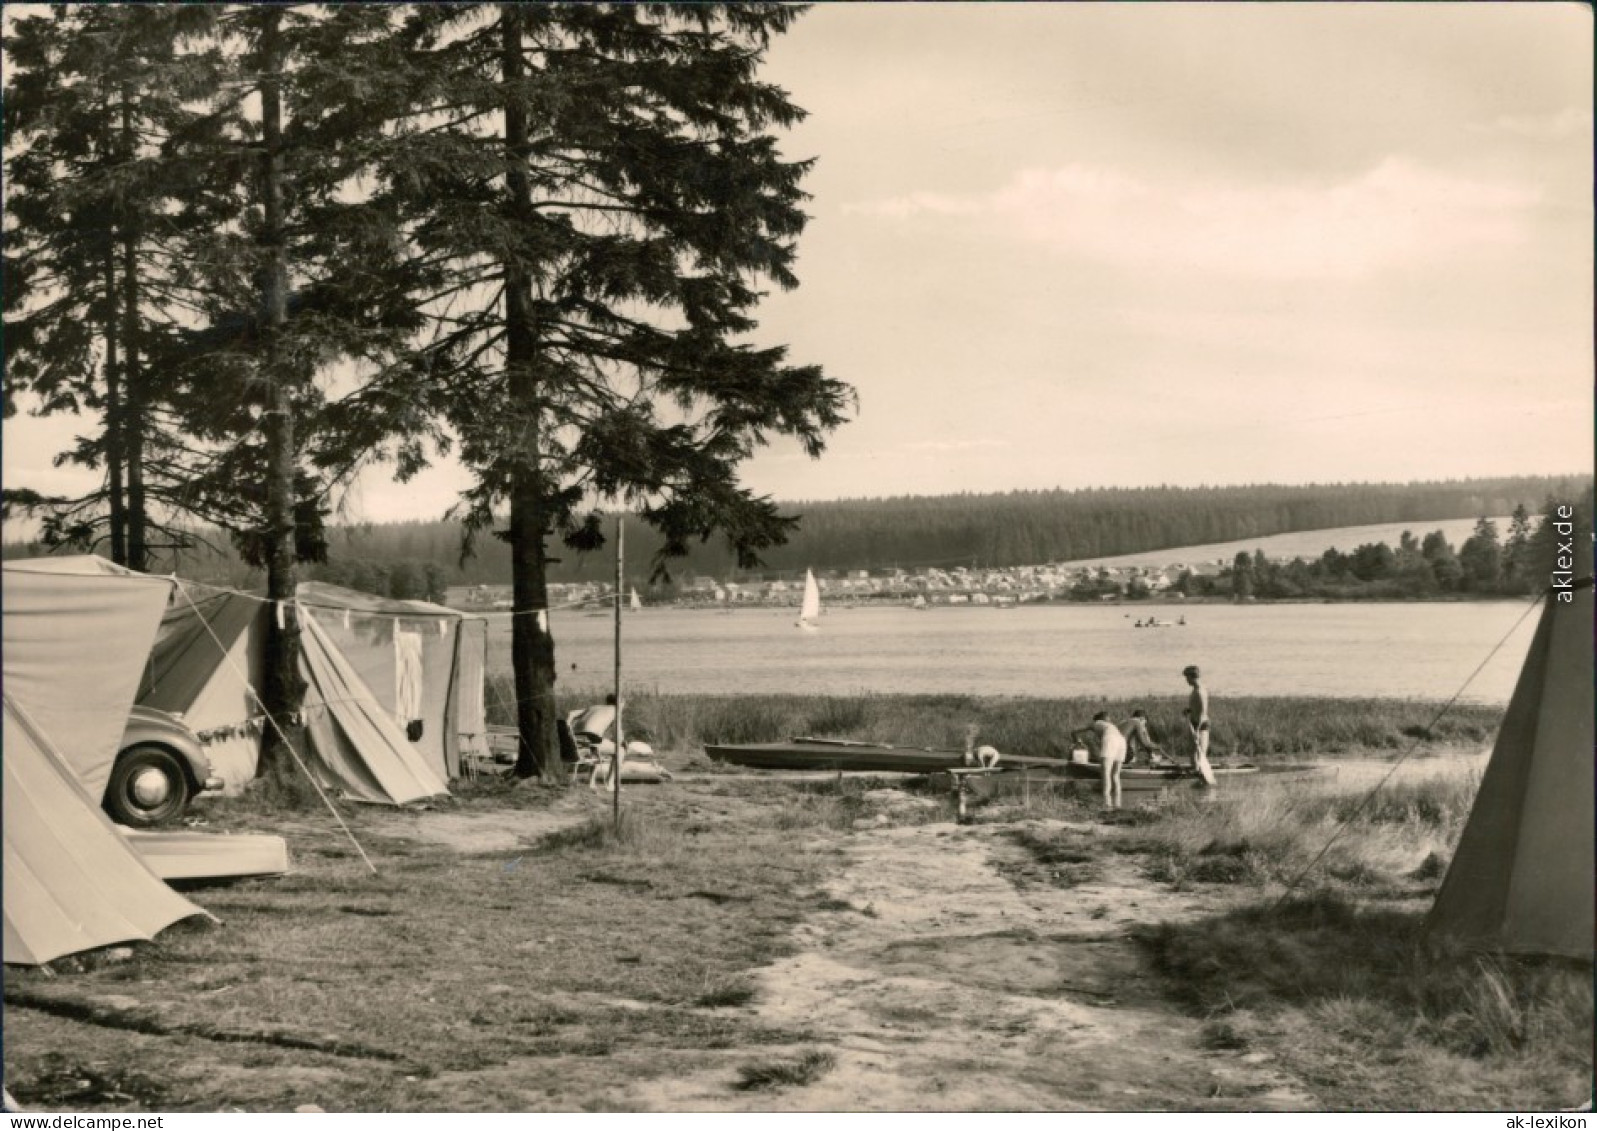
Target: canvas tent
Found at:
x=74, y=634
x=1522, y=879
x=423, y=663
x=394, y=688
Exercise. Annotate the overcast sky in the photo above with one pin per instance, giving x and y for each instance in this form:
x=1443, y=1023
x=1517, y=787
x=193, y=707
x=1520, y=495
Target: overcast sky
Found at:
x=1076, y=245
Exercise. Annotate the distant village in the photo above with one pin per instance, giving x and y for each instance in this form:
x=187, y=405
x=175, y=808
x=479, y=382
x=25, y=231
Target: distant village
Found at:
x=960, y=585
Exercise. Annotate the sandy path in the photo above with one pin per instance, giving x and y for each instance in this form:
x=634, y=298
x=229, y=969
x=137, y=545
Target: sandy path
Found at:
x=944, y=987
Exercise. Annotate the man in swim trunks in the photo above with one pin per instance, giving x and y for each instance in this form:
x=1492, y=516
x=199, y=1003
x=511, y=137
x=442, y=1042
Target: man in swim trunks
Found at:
x=1111, y=755
x=1198, y=721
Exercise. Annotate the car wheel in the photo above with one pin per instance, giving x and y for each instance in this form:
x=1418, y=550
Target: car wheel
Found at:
x=147, y=787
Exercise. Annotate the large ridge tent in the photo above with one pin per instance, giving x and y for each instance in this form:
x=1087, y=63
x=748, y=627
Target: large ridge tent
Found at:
x=1522, y=879
x=74, y=634
x=394, y=688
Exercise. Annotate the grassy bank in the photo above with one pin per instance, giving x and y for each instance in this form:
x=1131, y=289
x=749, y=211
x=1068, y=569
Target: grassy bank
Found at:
x=1245, y=728
x=517, y=951
x=546, y=972
x=1335, y=979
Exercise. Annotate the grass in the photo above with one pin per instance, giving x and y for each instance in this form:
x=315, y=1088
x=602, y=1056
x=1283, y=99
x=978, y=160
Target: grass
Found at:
x=1245, y=728
x=489, y=981
x=1389, y=844
x=1360, y=1005
x=785, y=1073
x=595, y=957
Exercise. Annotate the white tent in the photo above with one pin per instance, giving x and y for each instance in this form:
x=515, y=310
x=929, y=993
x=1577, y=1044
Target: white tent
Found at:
x=394, y=688
x=74, y=635
x=1522, y=879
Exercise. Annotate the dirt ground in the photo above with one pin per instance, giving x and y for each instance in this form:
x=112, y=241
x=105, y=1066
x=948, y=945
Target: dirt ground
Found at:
x=939, y=985
x=945, y=967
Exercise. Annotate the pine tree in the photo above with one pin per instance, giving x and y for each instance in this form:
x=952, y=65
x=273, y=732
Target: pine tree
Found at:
x=303, y=270
x=1480, y=557
x=1517, y=552
x=91, y=284
x=597, y=192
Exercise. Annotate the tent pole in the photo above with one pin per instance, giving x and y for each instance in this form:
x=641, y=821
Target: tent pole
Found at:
x=615, y=757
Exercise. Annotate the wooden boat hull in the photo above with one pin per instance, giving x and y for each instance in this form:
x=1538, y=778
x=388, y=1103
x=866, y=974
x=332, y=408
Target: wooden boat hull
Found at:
x=841, y=755
x=828, y=754
x=856, y=757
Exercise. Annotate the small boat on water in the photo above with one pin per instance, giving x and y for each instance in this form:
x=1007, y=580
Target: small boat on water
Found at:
x=810, y=612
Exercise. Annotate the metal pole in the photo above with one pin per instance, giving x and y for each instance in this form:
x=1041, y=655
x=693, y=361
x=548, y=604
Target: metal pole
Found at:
x=620, y=740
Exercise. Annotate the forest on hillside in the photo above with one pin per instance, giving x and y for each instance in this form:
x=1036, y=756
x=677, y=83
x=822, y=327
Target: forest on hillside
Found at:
x=989, y=531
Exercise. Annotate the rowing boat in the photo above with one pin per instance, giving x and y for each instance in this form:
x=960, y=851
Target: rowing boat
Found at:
x=859, y=757
x=848, y=756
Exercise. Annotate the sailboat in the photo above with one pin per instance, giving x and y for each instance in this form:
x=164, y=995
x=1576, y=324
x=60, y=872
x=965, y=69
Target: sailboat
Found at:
x=633, y=604
x=810, y=611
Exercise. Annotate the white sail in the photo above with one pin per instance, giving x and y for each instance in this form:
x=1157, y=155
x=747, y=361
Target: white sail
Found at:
x=635, y=604
x=810, y=612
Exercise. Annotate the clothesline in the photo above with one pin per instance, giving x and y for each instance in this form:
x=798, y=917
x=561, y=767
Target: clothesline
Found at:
x=222, y=590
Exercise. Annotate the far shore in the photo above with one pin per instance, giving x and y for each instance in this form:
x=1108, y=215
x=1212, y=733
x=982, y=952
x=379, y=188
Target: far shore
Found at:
x=605, y=608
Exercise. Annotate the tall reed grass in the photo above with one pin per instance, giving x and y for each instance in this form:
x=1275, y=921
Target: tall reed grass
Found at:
x=1270, y=728
x=1377, y=1015
x=1394, y=838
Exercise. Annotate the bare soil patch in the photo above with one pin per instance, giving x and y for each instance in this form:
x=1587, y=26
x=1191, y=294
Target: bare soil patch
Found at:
x=939, y=986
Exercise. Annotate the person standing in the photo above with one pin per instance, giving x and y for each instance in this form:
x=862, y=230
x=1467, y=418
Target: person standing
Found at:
x=1198, y=721
x=1111, y=756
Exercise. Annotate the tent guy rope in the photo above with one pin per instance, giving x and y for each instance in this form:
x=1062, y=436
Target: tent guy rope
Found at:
x=243, y=678
x=1347, y=821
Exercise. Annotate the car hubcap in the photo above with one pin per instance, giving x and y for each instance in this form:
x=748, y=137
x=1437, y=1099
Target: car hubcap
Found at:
x=150, y=788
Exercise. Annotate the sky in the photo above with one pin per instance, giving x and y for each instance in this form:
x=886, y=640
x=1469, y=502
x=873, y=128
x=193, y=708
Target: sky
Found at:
x=1082, y=245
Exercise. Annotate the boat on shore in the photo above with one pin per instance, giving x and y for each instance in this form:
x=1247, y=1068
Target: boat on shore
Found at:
x=848, y=756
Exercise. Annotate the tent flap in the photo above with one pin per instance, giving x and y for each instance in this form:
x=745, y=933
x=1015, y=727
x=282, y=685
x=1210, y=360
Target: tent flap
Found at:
x=1521, y=880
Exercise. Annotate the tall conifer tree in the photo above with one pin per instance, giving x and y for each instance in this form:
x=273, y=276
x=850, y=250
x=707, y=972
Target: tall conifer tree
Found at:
x=599, y=195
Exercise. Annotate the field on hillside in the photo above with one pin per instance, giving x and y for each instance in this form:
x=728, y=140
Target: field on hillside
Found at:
x=1301, y=544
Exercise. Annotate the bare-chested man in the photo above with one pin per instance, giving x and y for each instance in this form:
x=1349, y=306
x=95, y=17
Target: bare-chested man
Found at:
x=1198, y=721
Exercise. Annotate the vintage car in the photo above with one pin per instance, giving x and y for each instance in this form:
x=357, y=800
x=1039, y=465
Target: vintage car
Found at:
x=160, y=767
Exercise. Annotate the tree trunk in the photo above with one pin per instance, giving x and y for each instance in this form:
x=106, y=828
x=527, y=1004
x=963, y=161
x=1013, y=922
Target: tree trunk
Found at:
x=283, y=690
x=532, y=653
x=132, y=431
x=113, y=418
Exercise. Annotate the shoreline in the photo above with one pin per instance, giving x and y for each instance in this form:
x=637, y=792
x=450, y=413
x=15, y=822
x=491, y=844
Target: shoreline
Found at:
x=1246, y=728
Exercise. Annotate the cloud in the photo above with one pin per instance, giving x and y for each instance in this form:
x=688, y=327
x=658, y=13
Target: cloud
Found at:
x=1570, y=122
x=943, y=447
x=1396, y=214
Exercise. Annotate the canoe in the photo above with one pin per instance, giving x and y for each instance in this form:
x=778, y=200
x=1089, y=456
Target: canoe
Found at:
x=844, y=755
x=855, y=757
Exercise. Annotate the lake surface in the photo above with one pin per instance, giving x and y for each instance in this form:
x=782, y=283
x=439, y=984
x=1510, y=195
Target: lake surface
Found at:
x=1346, y=651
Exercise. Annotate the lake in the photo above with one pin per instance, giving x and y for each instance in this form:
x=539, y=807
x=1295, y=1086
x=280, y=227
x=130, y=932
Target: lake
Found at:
x=1348, y=650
